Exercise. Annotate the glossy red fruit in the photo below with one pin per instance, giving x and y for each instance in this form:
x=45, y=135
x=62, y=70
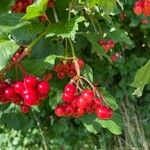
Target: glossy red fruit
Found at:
x=82, y=103
x=104, y=112
x=3, y=85
x=137, y=10
x=70, y=88
x=81, y=62
x=24, y=108
x=9, y=93
x=43, y=18
x=88, y=95
x=30, y=81
x=50, y=4
x=19, y=87
x=90, y=110
x=72, y=73
x=60, y=111
x=43, y=87
x=57, y=68
x=69, y=110
x=97, y=102
x=79, y=113
x=30, y=98
x=67, y=97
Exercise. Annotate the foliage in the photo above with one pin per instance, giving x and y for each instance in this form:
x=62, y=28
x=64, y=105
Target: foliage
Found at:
x=84, y=22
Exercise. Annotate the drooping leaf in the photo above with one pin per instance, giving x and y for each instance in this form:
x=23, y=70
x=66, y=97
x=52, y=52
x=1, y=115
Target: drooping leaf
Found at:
x=36, y=9
x=50, y=60
x=111, y=101
x=110, y=125
x=7, y=49
x=65, y=30
x=141, y=79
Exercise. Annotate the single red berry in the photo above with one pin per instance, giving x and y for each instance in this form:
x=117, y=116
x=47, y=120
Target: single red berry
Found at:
x=88, y=95
x=60, y=111
x=43, y=87
x=30, y=81
x=97, y=102
x=10, y=93
x=81, y=62
x=82, y=103
x=43, y=18
x=30, y=98
x=24, y=108
x=72, y=73
x=79, y=113
x=19, y=87
x=50, y=4
x=69, y=110
x=90, y=110
x=70, y=88
x=67, y=97
x=3, y=85
x=104, y=112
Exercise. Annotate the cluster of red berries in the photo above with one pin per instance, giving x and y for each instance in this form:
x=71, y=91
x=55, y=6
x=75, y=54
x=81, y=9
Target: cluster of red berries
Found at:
x=142, y=7
x=21, y=5
x=77, y=104
x=68, y=68
x=27, y=93
x=107, y=44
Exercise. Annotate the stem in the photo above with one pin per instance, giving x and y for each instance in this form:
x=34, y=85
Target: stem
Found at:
x=27, y=50
x=93, y=24
x=20, y=25
x=21, y=67
x=55, y=14
x=74, y=57
x=70, y=6
x=41, y=132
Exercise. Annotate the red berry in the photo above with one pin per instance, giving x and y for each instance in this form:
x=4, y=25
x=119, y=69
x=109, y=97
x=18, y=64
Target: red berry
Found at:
x=97, y=102
x=17, y=99
x=67, y=97
x=69, y=110
x=82, y=103
x=24, y=108
x=78, y=113
x=81, y=62
x=43, y=87
x=72, y=73
x=43, y=18
x=88, y=95
x=60, y=75
x=3, y=85
x=30, y=98
x=70, y=88
x=137, y=10
x=30, y=81
x=90, y=110
x=19, y=87
x=60, y=111
x=10, y=93
x=104, y=112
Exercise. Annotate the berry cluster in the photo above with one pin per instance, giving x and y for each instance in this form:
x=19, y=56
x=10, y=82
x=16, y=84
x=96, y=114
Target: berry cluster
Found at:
x=107, y=44
x=142, y=7
x=21, y=5
x=76, y=104
x=68, y=68
x=27, y=93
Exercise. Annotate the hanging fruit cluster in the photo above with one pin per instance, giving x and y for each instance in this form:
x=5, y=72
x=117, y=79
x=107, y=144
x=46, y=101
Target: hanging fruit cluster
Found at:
x=107, y=44
x=27, y=93
x=142, y=7
x=78, y=102
x=21, y=5
x=64, y=69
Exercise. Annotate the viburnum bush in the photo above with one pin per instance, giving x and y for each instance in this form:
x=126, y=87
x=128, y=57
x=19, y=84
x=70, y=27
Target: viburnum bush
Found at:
x=57, y=59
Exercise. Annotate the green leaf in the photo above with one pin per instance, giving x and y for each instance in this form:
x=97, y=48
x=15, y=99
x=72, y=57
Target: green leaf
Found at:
x=87, y=72
x=119, y=35
x=65, y=30
x=95, y=46
x=4, y=107
x=110, y=125
x=141, y=79
x=4, y=6
x=107, y=5
x=7, y=49
x=10, y=22
x=16, y=121
x=111, y=101
x=90, y=124
x=36, y=9
x=50, y=60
